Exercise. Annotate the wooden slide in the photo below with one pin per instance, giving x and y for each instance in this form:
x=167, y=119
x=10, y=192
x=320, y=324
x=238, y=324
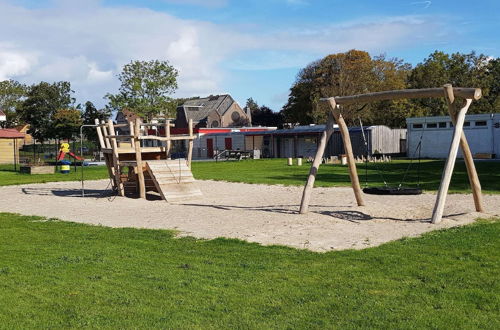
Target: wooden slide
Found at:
x=173, y=179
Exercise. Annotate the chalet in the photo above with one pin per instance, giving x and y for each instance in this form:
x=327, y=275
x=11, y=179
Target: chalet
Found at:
x=213, y=111
x=9, y=145
x=23, y=129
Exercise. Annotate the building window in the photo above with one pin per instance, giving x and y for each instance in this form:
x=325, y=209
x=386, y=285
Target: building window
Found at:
x=481, y=123
x=235, y=116
x=215, y=123
x=432, y=125
x=416, y=126
x=467, y=124
x=442, y=124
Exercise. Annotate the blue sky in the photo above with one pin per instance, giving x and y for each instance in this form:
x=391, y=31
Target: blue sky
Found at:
x=244, y=48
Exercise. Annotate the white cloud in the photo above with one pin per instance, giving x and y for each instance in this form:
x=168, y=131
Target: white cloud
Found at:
x=88, y=46
x=14, y=62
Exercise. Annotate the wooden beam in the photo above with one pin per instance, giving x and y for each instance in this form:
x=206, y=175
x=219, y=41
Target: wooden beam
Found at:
x=171, y=138
x=131, y=132
x=116, y=165
x=306, y=193
x=190, y=143
x=468, y=93
x=99, y=134
x=437, y=213
x=138, y=159
x=104, y=128
x=344, y=131
x=464, y=145
x=157, y=124
x=167, y=135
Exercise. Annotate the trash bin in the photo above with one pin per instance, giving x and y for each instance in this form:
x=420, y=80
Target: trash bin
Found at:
x=65, y=166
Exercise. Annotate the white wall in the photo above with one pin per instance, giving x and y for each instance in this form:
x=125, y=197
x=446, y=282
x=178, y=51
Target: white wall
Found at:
x=436, y=141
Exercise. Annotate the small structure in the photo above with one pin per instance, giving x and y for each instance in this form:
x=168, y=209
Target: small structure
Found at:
x=213, y=111
x=28, y=139
x=482, y=132
x=457, y=110
x=10, y=139
x=133, y=168
x=3, y=116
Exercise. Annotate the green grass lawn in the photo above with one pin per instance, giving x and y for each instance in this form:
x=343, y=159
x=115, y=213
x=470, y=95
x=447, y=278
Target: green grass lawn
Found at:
x=275, y=171
x=9, y=177
x=57, y=274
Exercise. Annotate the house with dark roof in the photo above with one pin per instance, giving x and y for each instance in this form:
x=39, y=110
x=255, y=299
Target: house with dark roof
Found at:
x=212, y=112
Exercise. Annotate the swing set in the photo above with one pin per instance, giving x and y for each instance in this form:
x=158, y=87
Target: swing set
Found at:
x=457, y=113
x=392, y=190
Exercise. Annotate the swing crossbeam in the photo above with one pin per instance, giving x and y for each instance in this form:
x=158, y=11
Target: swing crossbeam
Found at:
x=457, y=115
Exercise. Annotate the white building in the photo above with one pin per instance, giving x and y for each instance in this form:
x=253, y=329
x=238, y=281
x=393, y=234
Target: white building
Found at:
x=482, y=132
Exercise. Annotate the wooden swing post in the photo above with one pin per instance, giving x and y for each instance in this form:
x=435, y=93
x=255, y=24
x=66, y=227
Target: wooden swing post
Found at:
x=464, y=145
x=325, y=136
x=344, y=131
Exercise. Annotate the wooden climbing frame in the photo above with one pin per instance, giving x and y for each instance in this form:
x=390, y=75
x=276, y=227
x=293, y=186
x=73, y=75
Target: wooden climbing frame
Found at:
x=125, y=151
x=457, y=115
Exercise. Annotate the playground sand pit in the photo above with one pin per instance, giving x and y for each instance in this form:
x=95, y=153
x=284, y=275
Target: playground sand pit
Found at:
x=255, y=213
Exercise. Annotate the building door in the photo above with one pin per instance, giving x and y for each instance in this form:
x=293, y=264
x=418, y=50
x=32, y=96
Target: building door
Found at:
x=210, y=148
x=228, y=143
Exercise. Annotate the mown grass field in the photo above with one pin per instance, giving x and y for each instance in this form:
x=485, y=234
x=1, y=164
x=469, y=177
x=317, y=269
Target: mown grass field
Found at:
x=57, y=274
x=275, y=171
x=10, y=177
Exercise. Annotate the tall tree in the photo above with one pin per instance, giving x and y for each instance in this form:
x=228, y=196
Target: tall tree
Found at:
x=461, y=70
x=348, y=73
x=264, y=116
x=145, y=88
x=12, y=94
x=89, y=115
x=42, y=101
x=66, y=123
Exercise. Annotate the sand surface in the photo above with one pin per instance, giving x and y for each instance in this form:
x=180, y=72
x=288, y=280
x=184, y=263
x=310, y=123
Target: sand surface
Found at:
x=256, y=213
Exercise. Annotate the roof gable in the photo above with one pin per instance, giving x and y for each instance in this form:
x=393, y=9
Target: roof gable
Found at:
x=199, y=109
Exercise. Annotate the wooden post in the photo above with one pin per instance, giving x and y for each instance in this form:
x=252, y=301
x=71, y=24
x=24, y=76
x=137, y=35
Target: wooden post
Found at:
x=325, y=136
x=131, y=130
x=437, y=213
x=138, y=158
x=99, y=134
x=105, y=133
x=190, y=144
x=348, y=150
x=167, y=134
x=469, y=161
x=116, y=159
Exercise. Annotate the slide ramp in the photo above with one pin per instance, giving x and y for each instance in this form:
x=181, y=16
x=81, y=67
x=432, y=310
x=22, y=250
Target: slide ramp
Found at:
x=173, y=179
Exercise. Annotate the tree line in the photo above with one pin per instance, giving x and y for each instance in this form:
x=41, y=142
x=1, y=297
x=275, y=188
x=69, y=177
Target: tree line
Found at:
x=51, y=112
x=356, y=72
